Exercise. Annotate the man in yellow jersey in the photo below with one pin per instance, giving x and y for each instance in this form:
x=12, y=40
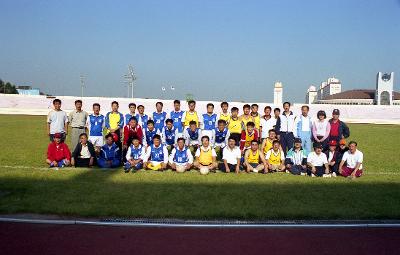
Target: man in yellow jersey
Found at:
x=224, y=115
x=256, y=117
x=114, y=122
x=267, y=143
x=190, y=115
x=205, y=155
x=254, y=160
x=247, y=136
x=275, y=158
x=235, y=125
x=246, y=117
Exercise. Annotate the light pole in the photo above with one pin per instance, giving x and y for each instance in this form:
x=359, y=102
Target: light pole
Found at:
x=82, y=79
x=130, y=77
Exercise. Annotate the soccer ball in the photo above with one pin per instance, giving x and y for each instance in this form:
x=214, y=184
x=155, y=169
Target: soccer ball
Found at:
x=180, y=169
x=204, y=170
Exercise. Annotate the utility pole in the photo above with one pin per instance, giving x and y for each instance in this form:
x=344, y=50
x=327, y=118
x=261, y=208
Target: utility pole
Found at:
x=82, y=79
x=130, y=79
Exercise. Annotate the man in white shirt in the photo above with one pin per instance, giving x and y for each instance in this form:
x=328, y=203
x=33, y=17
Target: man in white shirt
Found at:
x=317, y=162
x=57, y=121
x=351, y=165
x=285, y=128
x=231, y=157
x=267, y=122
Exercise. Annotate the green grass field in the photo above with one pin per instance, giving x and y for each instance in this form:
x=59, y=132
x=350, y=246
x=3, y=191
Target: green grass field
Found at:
x=27, y=186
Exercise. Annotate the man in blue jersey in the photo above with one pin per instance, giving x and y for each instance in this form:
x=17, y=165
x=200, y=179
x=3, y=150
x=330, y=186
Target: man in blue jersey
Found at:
x=149, y=132
x=132, y=113
x=141, y=117
x=110, y=154
x=192, y=136
x=208, y=121
x=181, y=159
x=95, y=124
x=219, y=138
x=159, y=117
x=168, y=135
x=176, y=116
x=135, y=155
x=156, y=157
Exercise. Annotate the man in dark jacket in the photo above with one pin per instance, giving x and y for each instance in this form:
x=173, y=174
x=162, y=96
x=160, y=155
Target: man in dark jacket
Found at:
x=84, y=153
x=339, y=129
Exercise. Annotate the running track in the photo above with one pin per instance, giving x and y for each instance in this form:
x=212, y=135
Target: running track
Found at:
x=23, y=238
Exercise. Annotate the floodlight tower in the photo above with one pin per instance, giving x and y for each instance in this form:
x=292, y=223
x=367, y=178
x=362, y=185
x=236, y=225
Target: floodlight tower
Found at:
x=82, y=79
x=130, y=78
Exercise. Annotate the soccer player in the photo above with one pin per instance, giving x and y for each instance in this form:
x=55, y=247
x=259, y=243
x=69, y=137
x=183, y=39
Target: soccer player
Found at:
x=77, y=120
x=275, y=158
x=317, y=162
x=57, y=122
x=156, y=157
x=95, y=124
x=351, y=165
x=333, y=156
x=277, y=113
x=176, y=115
x=219, y=138
x=256, y=117
x=208, y=121
x=159, y=117
x=84, y=153
x=339, y=130
x=248, y=136
x=130, y=130
x=285, y=128
x=132, y=112
x=205, y=155
x=149, y=133
x=191, y=115
x=267, y=122
x=134, y=156
x=58, y=153
x=192, y=136
x=254, y=160
x=168, y=135
x=235, y=125
x=267, y=143
x=110, y=154
x=231, y=157
x=246, y=117
x=114, y=122
x=296, y=159
x=224, y=115
x=141, y=117
x=181, y=159
x=321, y=129
x=303, y=125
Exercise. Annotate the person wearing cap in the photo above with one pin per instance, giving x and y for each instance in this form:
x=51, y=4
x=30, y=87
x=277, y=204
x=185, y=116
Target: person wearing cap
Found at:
x=333, y=156
x=181, y=159
x=317, y=162
x=321, y=129
x=304, y=125
x=351, y=165
x=275, y=158
x=77, y=120
x=342, y=149
x=339, y=129
x=130, y=130
x=84, y=153
x=58, y=153
x=135, y=154
x=110, y=154
x=296, y=159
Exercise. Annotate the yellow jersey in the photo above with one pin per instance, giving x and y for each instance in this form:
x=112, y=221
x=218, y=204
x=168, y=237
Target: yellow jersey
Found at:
x=245, y=121
x=235, y=126
x=114, y=118
x=226, y=117
x=275, y=158
x=268, y=145
x=256, y=120
x=191, y=116
x=205, y=157
x=253, y=158
x=249, y=139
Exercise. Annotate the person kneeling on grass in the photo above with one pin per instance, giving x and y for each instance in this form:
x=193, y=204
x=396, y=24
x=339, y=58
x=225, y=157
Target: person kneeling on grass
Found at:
x=254, y=160
x=181, y=159
x=110, y=154
x=296, y=159
x=334, y=157
x=134, y=155
x=84, y=153
x=317, y=162
x=231, y=157
x=351, y=165
x=58, y=153
x=275, y=158
x=206, y=158
x=156, y=157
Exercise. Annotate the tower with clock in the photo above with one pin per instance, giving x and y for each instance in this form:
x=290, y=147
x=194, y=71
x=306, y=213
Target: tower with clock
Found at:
x=384, y=88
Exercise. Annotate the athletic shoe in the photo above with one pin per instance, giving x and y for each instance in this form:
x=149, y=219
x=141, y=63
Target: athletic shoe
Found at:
x=303, y=173
x=287, y=171
x=126, y=170
x=326, y=176
x=334, y=174
x=312, y=175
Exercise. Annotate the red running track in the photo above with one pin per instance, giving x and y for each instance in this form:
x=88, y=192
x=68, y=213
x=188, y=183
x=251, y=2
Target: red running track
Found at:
x=22, y=238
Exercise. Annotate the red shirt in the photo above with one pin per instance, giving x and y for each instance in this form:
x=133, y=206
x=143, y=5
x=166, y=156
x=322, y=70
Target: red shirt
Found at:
x=57, y=152
x=129, y=132
x=245, y=138
x=335, y=128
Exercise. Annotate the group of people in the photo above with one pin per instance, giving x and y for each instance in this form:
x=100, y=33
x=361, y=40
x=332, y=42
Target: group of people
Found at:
x=183, y=140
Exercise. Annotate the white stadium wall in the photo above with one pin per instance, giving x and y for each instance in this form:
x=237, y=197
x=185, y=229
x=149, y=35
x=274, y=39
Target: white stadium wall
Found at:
x=41, y=105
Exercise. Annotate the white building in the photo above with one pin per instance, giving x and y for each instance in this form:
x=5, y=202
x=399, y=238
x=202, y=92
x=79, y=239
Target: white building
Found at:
x=312, y=94
x=330, y=87
x=278, y=90
x=384, y=89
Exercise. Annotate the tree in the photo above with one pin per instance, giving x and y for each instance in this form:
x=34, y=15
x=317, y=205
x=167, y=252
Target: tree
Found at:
x=7, y=88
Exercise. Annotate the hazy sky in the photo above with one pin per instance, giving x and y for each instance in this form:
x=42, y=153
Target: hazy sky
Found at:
x=219, y=50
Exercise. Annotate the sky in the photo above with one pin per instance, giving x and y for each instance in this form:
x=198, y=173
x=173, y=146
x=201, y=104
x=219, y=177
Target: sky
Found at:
x=214, y=49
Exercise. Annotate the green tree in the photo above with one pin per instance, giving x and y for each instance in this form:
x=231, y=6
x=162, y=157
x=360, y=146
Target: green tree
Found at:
x=7, y=88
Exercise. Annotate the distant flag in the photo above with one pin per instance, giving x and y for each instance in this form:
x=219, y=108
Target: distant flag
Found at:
x=172, y=88
x=163, y=88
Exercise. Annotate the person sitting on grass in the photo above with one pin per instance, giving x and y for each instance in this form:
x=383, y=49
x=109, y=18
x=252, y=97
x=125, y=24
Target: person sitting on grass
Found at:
x=254, y=160
x=156, y=157
x=206, y=158
x=296, y=159
x=130, y=130
x=351, y=165
x=168, y=135
x=333, y=156
x=192, y=136
x=84, y=153
x=317, y=162
x=267, y=142
x=181, y=159
x=134, y=156
x=220, y=137
x=110, y=154
x=231, y=157
x=275, y=158
x=149, y=133
x=58, y=153
x=342, y=149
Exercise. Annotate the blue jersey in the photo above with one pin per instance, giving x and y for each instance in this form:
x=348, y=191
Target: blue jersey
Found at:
x=159, y=120
x=220, y=136
x=177, y=118
x=128, y=116
x=136, y=153
x=157, y=154
x=96, y=125
x=209, y=121
x=181, y=156
x=142, y=120
x=110, y=153
x=169, y=135
x=149, y=135
x=194, y=135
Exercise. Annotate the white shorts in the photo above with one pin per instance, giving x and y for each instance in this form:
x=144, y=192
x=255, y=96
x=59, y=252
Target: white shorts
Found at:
x=97, y=141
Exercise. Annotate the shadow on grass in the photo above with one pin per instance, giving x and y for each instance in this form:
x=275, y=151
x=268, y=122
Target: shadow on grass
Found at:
x=97, y=193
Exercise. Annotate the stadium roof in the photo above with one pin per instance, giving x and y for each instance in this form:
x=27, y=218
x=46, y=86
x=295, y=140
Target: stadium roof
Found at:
x=358, y=94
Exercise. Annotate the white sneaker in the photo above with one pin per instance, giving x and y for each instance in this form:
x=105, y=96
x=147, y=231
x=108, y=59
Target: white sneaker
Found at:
x=312, y=175
x=287, y=171
x=326, y=176
x=334, y=174
x=303, y=174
